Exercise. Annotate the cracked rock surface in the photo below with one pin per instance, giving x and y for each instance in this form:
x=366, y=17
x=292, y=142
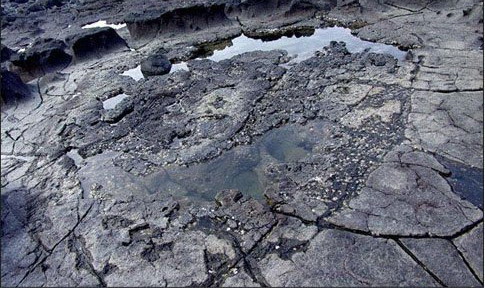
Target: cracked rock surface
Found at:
x=344, y=169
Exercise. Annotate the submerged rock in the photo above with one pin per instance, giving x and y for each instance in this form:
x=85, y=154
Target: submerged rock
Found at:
x=95, y=42
x=155, y=65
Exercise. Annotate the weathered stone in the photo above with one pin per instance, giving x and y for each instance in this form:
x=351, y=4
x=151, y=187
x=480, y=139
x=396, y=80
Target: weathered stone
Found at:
x=228, y=197
x=45, y=56
x=214, y=116
x=6, y=53
x=332, y=254
x=442, y=259
x=407, y=201
x=241, y=279
x=450, y=124
x=95, y=42
x=471, y=246
x=121, y=110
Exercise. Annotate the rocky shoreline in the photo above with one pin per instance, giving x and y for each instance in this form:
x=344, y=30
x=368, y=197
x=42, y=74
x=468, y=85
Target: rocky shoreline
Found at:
x=344, y=169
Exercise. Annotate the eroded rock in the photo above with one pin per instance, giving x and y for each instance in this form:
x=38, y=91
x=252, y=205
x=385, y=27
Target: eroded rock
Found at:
x=45, y=56
x=95, y=42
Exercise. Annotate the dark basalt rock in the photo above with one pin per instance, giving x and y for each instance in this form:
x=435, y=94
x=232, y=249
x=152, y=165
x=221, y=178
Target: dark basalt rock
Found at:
x=45, y=56
x=6, y=53
x=155, y=65
x=13, y=89
x=95, y=42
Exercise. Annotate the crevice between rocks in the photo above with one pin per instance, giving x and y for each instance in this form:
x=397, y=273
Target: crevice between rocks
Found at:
x=421, y=264
x=463, y=231
x=50, y=251
x=467, y=264
x=216, y=279
x=449, y=91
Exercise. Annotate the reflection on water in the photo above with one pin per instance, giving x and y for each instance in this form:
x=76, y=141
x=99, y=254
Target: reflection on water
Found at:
x=103, y=23
x=304, y=47
x=300, y=46
x=179, y=67
x=134, y=73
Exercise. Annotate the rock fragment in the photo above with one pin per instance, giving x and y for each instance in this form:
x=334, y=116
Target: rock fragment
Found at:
x=155, y=65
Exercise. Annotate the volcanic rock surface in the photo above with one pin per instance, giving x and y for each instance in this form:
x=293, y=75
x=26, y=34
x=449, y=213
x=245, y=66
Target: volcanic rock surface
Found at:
x=255, y=170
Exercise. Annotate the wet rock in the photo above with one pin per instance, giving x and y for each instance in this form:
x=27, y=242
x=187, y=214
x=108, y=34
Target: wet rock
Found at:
x=253, y=220
x=94, y=42
x=45, y=56
x=443, y=260
x=470, y=245
x=155, y=65
x=13, y=89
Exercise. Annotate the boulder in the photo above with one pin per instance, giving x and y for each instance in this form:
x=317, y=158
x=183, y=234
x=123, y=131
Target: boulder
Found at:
x=13, y=89
x=45, y=56
x=94, y=42
x=156, y=65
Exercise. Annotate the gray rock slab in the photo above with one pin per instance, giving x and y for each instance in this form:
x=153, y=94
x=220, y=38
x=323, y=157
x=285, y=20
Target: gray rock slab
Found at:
x=443, y=260
x=450, y=124
x=241, y=279
x=471, y=247
x=340, y=258
x=414, y=200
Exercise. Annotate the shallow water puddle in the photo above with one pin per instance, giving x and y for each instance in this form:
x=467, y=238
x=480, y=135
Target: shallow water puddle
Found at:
x=103, y=23
x=113, y=101
x=300, y=47
x=134, y=73
x=244, y=167
x=304, y=47
x=466, y=181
